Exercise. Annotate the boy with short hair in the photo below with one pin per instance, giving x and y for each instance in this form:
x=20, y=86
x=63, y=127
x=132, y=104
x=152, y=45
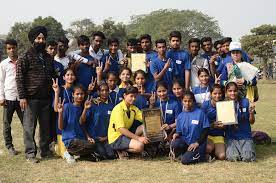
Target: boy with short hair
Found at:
x=180, y=57
x=197, y=61
x=162, y=68
x=8, y=93
x=110, y=60
x=84, y=72
x=61, y=56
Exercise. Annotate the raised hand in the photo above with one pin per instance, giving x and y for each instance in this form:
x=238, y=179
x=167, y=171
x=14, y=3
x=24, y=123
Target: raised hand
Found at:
x=213, y=59
x=55, y=85
x=107, y=63
x=60, y=106
x=92, y=84
x=252, y=107
x=99, y=68
x=88, y=102
x=217, y=79
x=168, y=63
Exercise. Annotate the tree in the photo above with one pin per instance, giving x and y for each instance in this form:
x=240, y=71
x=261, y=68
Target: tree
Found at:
x=160, y=23
x=112, y=29
x=81, y=27
x=260, y=43
x=55, y=29
x=19, y=31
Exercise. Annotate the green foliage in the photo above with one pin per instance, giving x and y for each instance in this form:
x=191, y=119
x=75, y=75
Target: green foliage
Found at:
x=261, y=42
x=160, y=23
x=81, y=27
x=19, y=31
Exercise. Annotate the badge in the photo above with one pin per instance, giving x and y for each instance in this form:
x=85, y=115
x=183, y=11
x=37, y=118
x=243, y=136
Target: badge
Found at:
x=108, y=112
x=169, y=111
x=178, y=61
x=195, y=122
x=243, y=109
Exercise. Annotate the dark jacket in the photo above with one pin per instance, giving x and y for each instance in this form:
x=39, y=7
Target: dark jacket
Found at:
x=34, y=73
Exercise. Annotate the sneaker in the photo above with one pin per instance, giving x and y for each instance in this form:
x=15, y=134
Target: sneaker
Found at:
x=12, y=151
x=32, y=160
x=69, y=159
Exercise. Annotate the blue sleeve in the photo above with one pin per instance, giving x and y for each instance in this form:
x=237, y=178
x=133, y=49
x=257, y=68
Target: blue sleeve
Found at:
x=153, y=68
x=224, y=75
x=178, y=124
x=65, y=116
x=187, y=62
x=177, y=109
x=103, y=59
x=204, y=106
x=220, y=67
x=89, y=115
x=205, y=121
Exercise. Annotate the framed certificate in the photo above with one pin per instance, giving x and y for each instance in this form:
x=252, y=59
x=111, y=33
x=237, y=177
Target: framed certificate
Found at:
x=153, y=123
x=226, y=112
x=138, y=62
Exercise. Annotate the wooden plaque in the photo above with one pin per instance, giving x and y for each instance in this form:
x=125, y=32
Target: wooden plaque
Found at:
x=152, y=120
x=226, y=112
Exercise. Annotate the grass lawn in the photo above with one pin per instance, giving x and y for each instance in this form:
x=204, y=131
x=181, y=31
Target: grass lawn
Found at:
x=16, y=169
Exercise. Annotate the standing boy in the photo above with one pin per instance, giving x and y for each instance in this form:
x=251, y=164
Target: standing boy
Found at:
x=8, y=93
x=180, y=58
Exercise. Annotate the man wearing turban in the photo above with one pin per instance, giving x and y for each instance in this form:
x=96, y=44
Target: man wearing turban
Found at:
x=34, y=73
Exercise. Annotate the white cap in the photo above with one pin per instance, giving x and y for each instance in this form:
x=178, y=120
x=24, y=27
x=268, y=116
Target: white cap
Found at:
x=235, y=46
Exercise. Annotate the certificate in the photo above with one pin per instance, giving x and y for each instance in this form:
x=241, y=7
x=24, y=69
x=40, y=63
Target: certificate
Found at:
x=226, y=112
x=153, y=123
x=248, y=71
x=138, y=62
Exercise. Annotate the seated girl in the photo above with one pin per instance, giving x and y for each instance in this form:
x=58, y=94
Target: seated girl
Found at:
x=96, y=117
x=239, y=144
x=189, y=141
x=120, y=136
x=169, y=107
x=215, y=142
x=73, y=136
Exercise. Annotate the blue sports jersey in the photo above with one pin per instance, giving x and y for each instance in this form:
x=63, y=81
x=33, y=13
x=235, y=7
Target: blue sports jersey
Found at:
x=157, y=66
x=191, y=124
x=211, y=113
x=141, y=102
x=201, y=94
x=85, y=72
x=170, y=109
x=71, y=124
x=114, y=67
x=242, y=131
x=97, y=119
x=116, y=95
x=182, y=62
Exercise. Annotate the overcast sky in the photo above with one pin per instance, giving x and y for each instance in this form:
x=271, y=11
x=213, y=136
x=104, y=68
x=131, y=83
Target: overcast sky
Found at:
x=235, y=17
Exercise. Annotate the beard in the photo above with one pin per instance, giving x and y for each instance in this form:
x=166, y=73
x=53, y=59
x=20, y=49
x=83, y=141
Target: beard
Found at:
x=39, y=47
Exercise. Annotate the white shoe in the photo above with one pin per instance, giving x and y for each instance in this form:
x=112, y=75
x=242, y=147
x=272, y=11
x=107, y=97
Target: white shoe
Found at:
x=69, y=159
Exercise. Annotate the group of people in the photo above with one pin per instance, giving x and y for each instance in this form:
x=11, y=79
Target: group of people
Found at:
x=89, y=103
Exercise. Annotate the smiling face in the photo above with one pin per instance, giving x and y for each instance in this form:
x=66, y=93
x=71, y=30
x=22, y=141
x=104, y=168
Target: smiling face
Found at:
x=125, y=75
x=130, y=98
x=203, y=78
x=140, y=80
x=84, y=47
x=216, y=95
x=69, y=77
x=232, y=92
x=161, y=49
x=113, y=48
x=162, y=93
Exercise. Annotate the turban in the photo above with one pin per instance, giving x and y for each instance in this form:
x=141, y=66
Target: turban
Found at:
x=34, y=32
